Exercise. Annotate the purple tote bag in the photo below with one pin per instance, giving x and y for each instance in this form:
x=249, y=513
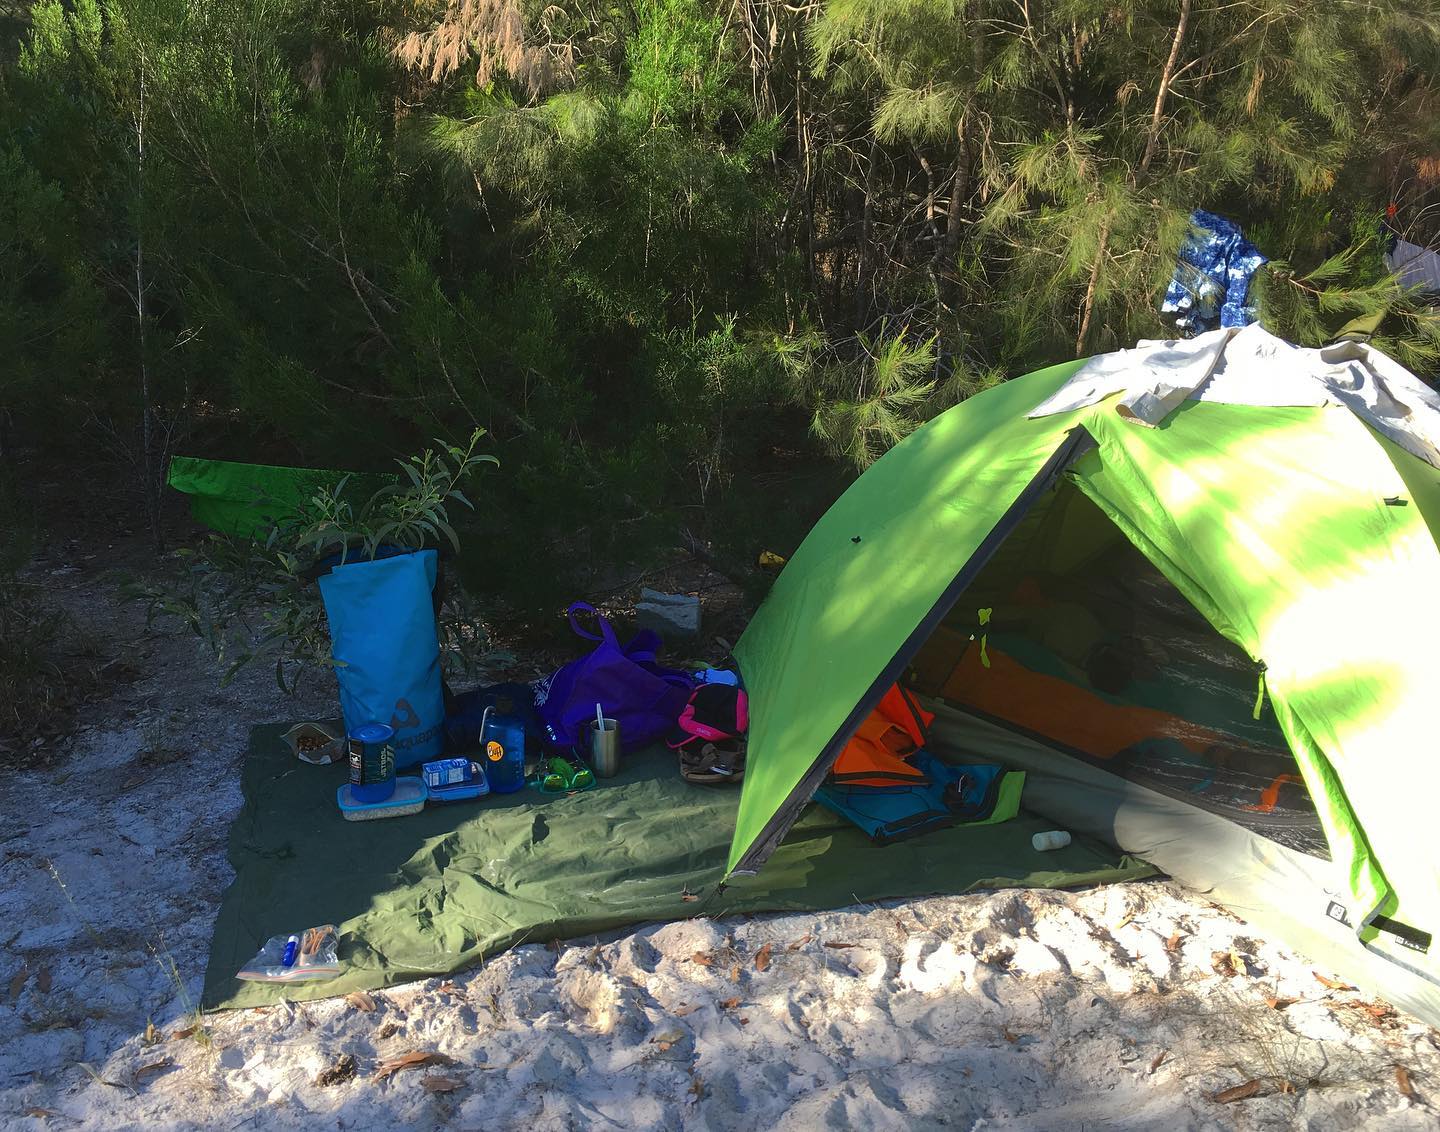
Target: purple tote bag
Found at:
x=625, y=680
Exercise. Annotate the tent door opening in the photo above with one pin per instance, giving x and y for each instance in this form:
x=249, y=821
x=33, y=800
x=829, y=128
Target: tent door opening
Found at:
x=1070, y=637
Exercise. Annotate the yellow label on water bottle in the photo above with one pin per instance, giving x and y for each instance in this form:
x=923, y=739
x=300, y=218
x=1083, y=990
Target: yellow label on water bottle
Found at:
x=494, y=751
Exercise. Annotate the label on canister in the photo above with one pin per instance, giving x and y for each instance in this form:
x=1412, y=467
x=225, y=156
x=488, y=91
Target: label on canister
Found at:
x=371, y=754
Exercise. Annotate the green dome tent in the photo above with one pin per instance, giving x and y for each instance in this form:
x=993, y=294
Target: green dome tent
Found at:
x=1247, y=530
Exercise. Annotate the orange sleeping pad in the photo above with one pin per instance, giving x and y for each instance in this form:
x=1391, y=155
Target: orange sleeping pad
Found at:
x=1066, y=712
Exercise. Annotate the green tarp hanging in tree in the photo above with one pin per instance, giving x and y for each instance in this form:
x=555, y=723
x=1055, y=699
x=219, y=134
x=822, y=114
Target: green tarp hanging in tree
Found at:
x=247, y=499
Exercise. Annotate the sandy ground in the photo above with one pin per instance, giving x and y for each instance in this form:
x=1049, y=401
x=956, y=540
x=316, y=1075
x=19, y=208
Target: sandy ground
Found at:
x=1132, y=1007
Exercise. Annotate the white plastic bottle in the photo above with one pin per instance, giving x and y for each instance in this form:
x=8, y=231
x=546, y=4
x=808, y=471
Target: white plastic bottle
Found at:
x=1051, y=839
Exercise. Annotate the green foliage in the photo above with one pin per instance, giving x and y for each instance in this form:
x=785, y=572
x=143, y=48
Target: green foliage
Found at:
x=662, y=252
x=1350, y=294
x=253, y=599
x=410, y=514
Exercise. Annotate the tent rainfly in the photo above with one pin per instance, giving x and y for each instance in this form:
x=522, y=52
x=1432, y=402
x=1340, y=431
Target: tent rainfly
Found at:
x=1191, y=588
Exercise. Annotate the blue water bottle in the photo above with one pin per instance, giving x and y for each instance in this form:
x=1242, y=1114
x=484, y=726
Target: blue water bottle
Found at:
x=502, y=749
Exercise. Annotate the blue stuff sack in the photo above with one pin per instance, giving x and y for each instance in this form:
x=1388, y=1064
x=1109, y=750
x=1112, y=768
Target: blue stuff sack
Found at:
x=386, y=647
x=951, y=795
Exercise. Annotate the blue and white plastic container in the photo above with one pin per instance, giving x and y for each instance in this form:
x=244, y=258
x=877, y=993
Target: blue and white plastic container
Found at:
x=454, y=780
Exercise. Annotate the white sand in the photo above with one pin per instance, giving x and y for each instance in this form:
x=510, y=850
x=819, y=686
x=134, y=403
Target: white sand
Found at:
x=1012, y=1010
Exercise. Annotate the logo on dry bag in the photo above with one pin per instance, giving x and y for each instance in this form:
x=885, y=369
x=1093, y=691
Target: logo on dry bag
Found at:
x=494, y=751
x=404, y=716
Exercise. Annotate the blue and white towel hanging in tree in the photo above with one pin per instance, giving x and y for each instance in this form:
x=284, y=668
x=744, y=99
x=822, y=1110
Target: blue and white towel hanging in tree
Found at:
x=1211, y=286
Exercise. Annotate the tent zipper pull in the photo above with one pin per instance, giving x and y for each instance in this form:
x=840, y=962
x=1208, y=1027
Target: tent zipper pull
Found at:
x=1259, y=693
x=984, y=615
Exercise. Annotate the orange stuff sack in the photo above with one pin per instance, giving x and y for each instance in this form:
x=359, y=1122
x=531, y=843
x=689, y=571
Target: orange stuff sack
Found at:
x=876, y=753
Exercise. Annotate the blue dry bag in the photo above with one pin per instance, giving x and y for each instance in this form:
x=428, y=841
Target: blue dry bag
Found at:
x=387, y=649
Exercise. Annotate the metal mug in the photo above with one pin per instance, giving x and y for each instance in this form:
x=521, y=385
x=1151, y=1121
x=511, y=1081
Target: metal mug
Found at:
x=604, y=747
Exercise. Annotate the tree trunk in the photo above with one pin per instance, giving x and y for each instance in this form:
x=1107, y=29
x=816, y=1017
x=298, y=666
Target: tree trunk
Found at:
x=1166, y=77
x=959, y=193
x=1089, y=305
x=148, y=456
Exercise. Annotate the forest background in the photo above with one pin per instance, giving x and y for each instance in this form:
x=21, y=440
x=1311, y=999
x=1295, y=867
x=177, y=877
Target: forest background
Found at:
x=690, y=263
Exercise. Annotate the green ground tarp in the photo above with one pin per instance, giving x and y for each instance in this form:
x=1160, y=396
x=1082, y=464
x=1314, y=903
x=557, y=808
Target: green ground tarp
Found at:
x=440, y=890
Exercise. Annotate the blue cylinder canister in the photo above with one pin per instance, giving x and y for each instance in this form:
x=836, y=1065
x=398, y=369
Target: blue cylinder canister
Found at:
x=371, y=748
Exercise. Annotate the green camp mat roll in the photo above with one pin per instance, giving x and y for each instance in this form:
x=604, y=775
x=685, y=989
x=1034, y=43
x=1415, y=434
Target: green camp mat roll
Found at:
x=440, y=890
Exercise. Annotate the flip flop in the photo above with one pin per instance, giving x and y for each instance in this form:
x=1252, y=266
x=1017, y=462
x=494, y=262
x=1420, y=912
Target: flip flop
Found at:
x=714, y=763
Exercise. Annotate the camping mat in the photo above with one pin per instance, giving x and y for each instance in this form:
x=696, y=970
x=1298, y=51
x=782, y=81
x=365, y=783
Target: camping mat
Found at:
x=439, y=890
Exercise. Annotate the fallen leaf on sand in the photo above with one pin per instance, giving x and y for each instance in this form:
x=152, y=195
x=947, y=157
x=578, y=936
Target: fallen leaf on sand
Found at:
x=685, y=1008
x=799, y=943
x=151, y=1035
x=41, y=1113
x=1227, y=963
x=697, y=1088
x=447, y=987
x=1158, y=1060
x=361, y=1001
x=342, y=1070
x=840, y=946
x=1377, y=1012
x=1275, y=1002
x=154, y=1069
x=1402, y=1079
x=183, y=1032
x=735, y=973
x=1333, y=984
x=42, y=980
x=703, y=959
x=1125, y=919
x=1174, y=943
x=1239, y=1092
x=668, y=1038
x=687, y=897
x=436, y=1084
x=1009, y=1035
x=388, y=1030
x=413, y=1059
x=730, y=1003
x=762, y=958
x=744, y=1021
x=17, y=984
